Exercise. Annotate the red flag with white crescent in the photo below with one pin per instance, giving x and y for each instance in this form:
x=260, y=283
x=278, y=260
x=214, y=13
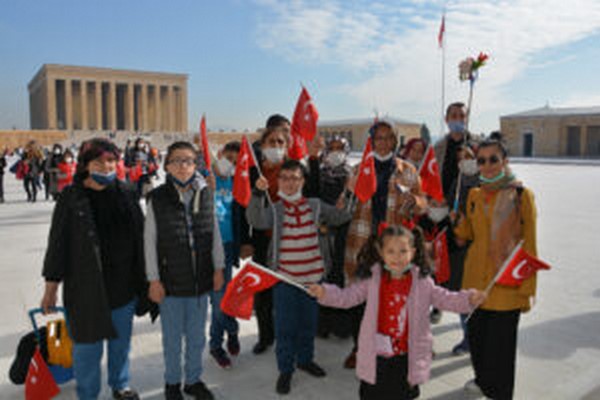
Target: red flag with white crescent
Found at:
x=431, y=181
x=204, y=140
x=441, y=258
x=238, y=300
x=519, y=267
x=241, y=178
x=366, y=183
x=40, y=384
x=304, y=126
x=442, y=32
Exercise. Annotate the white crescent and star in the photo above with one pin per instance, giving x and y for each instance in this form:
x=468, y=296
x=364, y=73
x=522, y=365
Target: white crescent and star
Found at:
x=430, y=166
x=255, y=280
x=516, y=273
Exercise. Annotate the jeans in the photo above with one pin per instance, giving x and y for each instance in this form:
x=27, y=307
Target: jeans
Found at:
x=183, y=318
x=296, y=315
x=87, y=357
x=221, y=322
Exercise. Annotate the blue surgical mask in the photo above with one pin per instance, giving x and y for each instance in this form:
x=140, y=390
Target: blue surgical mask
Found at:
x=495, y=179
x=103, y=179
x=181, y=184
x=456, y=126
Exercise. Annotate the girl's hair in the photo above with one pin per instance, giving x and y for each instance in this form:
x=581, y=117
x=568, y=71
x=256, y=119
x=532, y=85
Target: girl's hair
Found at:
x=181, y=145
x=89, y=151
x=495, y=139
x=369, y=254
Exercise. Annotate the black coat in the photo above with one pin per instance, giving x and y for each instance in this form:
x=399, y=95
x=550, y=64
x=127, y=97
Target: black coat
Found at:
x=73, y=257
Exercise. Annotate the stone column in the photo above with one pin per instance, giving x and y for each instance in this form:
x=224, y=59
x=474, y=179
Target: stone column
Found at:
x=68, y=104
x=143, y=108
x=84, y=105
x=51, y=103
x=171, y=108
x=112, y=106
x=157, y=107
x=98, y=102
x=129, y=109
x=184, y=111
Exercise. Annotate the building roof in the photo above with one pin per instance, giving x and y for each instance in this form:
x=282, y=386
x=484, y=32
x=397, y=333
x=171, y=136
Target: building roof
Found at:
x=548, y=111
x=365, y=121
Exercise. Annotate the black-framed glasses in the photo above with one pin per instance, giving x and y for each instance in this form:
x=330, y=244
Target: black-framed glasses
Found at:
x=491, y=160
x=187, y=162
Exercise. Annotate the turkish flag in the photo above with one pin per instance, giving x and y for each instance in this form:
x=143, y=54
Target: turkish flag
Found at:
x=239, y=295
x=304, y=126
x=241, y=179
x=366, y=183
x=204, y=140
x=136, y=172
x=520, y=267
x=442, y=31
x=441, y=258
x=431, y=182
x=40, y=384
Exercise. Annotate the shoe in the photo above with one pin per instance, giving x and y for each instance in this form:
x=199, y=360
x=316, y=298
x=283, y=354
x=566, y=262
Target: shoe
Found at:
x=199, y=391
x=350, y=362
x=460, y=349
x=261, y=347
x=125, y=394
x=312, y=368
x=221, y=358
x=233, y=345
x=435, y=316
x=473, y=388
x=284, y=383
x=173, y=392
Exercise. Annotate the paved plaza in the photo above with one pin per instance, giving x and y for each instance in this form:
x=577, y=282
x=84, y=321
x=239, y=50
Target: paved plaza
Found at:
x=559, y=341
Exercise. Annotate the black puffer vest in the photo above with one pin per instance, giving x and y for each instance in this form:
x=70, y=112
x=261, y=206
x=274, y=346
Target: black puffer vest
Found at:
x=184, y=271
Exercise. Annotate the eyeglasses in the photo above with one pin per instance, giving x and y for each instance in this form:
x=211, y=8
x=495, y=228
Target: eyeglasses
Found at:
x=492, y=160
x=290, y=178
x=179, y=162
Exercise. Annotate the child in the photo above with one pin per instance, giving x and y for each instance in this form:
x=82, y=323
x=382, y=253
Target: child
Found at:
x=296, y=253
x=228, y=222
x=184, y=261
x=394, y=347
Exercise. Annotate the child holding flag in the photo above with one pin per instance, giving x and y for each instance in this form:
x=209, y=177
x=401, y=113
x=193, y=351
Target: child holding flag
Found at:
x=295, y=252
x=499, y=214
x=395, y=341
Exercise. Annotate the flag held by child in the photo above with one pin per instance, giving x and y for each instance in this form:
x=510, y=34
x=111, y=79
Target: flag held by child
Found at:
x=40, y=384
x=442, y=260
x=238, y=300
x=241, y=179
x=519, y=267
x=366, y=183
x=431, y=182
x=204, y=140
x=304, y=125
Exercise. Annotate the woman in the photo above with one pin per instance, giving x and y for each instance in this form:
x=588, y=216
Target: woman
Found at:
x=32, y=165
x=51, y=171
x=499, y=214
x=95, y=248
x=397, y=200
x=414, y=151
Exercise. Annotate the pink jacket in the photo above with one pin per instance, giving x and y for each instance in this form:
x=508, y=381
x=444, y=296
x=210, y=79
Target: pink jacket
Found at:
x=423, y=294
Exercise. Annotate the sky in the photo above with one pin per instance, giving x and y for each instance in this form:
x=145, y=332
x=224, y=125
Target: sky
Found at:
x=247, y=59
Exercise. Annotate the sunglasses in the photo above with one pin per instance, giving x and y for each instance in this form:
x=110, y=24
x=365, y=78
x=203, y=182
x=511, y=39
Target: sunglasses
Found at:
x=492, y=160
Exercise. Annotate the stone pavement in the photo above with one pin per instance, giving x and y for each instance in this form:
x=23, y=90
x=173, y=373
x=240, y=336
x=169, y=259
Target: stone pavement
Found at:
x=559, y=341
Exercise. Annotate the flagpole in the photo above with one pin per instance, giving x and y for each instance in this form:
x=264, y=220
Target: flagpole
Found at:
x=443, y=100
x=497, y=276
x=276, y=275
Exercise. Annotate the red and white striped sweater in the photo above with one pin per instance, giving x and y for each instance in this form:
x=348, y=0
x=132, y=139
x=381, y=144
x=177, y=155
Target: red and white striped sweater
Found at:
x=300, y=255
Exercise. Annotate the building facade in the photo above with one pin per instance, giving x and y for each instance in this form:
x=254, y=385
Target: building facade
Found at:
x=69, y=97
x=553, y=132
x=355, y=130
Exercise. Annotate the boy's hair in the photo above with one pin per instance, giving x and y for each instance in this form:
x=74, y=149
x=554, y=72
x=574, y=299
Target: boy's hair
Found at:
x=181, y=145
x=293, y=165
x=457, y=104
x=369, y=254
x=495, y=139
x=234, y=146
x=276, y=121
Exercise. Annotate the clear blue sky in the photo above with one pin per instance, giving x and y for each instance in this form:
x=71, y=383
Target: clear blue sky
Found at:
x=246, y=59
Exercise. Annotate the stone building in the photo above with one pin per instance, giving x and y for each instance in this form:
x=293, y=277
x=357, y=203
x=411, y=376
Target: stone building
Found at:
x=355, y=130
x=86, y=98
x=553, y=132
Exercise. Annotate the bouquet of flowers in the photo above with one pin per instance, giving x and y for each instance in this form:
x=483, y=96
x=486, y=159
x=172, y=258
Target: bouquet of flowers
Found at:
x=468, y=69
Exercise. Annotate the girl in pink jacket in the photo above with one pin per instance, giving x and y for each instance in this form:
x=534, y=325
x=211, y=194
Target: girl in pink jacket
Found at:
x=395, y=341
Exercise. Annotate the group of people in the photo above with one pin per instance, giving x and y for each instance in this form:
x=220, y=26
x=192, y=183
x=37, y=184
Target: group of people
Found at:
x=304, y=221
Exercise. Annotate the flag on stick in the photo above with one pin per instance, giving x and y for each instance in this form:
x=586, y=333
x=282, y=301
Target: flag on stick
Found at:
x=442, y=31
x=304, y=125
x=366, y=183
x=429, y=171
x=519, y=267
x=204, y=140
x=241, y=179
x=441, y=257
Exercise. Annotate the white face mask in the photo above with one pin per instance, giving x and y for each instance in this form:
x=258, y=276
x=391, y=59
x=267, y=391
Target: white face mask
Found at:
x=437, y=213
x=335, y=158
x=387, y=157
x=468, y=167
x=274, y=155
x=68, y=160
x=290, y=198
x=225, y=167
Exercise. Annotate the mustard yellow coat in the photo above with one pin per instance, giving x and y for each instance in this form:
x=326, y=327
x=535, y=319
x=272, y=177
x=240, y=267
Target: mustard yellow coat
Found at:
x=479, y=270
